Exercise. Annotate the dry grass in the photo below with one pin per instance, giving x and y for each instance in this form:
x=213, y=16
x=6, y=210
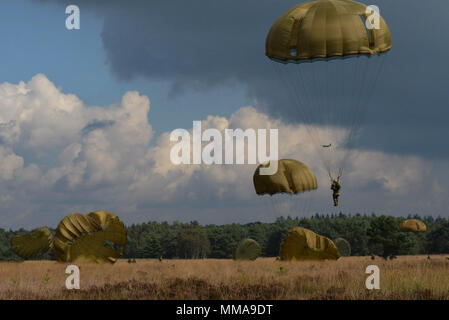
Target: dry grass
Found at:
x=408, y=277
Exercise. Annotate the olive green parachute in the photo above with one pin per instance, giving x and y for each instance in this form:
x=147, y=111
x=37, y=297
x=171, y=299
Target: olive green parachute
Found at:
x=292, y=177
x=96, y=237
x=325, y=29
x=328, y=55
x=343, y=246
x=247, y=249
x=413, y=225
x=33, y=244
x=304, y=244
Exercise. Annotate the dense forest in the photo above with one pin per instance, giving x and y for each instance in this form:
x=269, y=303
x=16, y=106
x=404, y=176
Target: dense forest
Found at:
x=367, y=234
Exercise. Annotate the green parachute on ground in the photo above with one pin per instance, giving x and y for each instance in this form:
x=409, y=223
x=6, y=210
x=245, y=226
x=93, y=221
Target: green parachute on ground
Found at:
x=343, y=246
x=247, y=249
x=413, y=225
x=304, y=244
x=33, y=244
x=98, y=237
x=291, y=177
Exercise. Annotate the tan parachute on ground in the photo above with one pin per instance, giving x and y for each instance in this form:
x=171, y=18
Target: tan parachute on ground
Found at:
x=413, y=225
x=292, y=177
x=33, y=244
x=90, y=238
x=303, y=244
x=325, y=29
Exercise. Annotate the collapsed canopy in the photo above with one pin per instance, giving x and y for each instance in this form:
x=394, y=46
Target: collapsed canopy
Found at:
x=304, y=244
x=96, y=237
x=33, y=244
x=292, y=177
x=325, y=29
x=413, y=225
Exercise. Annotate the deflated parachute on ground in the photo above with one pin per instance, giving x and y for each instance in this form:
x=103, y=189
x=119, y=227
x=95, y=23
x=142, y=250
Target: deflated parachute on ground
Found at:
x=96, y=237
x=304, y=244
x=33, y=244
x=292, y=177
x=413, y=225
x=247, y=249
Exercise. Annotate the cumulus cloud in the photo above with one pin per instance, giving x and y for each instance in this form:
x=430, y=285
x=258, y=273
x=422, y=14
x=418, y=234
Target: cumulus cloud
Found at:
x=58, y=155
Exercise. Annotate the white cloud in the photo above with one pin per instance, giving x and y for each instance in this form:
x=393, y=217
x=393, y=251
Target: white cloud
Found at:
x=10, y=164
x=59, y=156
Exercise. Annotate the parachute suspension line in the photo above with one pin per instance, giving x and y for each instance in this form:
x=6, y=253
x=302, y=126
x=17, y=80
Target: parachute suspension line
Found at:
x=299, y=100
x=316, y=107
x=333, y=113
x=343, y=102
x=344, y=112
x=293, y=205
x=309, y=104
x=308, y=201
x=355, y=110
x=348, y=116
x=376, y=77
x=311, y=107
x=322, y=69
x=356, y=91
x=371, y=88
x=302, y=204
x=273, y=207
x=329, y=172
x=354, y=106
x=369, y=98
x=358, y=107
x=299, y=107
x=276, y=207
x=328, y=115
x=330, y=112
x=324, y=113
x=291, y=86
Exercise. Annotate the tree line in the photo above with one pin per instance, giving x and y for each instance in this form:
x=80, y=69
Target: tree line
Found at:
x=367, y=234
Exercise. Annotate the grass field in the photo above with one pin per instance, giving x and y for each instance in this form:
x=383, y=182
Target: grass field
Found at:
x=407, y=277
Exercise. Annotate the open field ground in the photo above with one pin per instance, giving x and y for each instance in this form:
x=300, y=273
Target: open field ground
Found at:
x=407, y=277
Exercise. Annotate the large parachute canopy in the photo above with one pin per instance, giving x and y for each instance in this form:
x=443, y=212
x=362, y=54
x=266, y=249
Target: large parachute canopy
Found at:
x=325, y=29
x=329, y=54
x=33, y=244
x=304, y=244
x=413, y=225
x=248, y=249
x=96, y=237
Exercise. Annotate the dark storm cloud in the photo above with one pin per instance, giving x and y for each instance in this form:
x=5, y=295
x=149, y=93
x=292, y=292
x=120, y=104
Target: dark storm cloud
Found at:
x=198, y=44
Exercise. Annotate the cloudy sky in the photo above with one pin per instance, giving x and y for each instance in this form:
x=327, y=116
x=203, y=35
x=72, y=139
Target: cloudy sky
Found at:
x=85, y=115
